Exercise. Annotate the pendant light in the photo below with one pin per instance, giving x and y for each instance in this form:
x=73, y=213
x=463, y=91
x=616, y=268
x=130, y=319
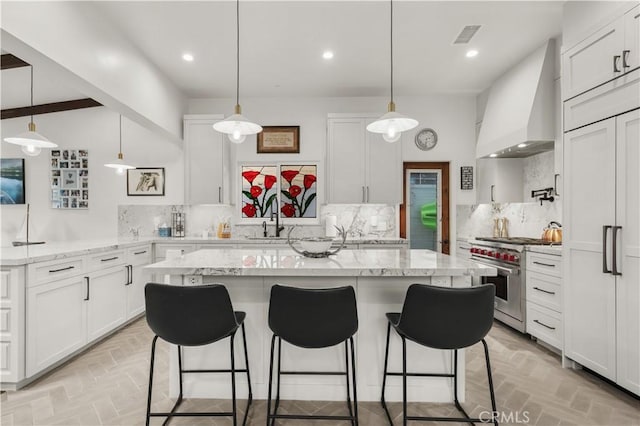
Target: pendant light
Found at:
x=119, y=164
x=31, y=141
x=392, y=124
x=236, y=126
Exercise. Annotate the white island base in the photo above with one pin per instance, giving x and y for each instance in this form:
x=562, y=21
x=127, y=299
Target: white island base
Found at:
x=380, y=288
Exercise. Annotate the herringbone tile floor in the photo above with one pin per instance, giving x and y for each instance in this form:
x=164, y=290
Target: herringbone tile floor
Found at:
x=107, y=385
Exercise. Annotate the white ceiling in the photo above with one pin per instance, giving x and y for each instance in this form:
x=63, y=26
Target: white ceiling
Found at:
x=282, y=43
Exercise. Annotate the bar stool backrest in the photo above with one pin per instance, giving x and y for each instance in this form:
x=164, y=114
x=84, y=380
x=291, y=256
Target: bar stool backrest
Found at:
x=447, y=318
x=189, y=316
x=313, y=318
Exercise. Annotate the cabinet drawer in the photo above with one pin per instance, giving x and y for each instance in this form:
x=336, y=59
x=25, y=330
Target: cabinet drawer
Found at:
x=545, y=264
x=107, y=259
x=161, y=249
x=43, y=272
x=140, y=255
x=544, y=290
x=544, y=324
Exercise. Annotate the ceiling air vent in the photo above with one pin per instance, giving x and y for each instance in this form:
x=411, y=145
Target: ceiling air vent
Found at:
x=466, y=34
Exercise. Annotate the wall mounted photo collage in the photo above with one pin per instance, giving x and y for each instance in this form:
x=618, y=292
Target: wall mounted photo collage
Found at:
x=70, y=179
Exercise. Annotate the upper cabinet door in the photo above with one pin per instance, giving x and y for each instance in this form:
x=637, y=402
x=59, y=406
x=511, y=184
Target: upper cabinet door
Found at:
x=591, y=62
x=206, y=165
x=384, y=170
x=346, y=160
x=632, y=38
x=499, y=180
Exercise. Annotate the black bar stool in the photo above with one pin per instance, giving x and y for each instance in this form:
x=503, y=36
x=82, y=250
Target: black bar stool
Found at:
x=313, y=318
x=194, y=316
x=441, y=318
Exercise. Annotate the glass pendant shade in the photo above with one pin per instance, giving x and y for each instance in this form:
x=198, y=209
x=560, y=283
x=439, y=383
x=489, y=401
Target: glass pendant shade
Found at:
x=237, y=127
x=31, y=141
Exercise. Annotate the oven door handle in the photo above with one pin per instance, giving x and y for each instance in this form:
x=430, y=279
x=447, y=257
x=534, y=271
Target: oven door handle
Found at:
x=510, y=271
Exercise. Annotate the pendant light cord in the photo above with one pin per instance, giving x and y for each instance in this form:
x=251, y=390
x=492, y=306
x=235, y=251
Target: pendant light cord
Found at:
x=237, y=52
x=32, y=93
x=391, y=42
x=120, y=134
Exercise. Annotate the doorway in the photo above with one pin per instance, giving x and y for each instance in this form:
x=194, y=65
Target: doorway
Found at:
x=424, y=212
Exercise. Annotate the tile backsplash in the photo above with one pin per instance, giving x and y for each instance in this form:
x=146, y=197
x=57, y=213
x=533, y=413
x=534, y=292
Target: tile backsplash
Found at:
x=359, y=220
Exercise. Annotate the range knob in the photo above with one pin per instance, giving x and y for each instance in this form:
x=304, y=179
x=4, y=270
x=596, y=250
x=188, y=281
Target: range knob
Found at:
x=483, y=251
x=497, y=255
x=505, y=256
x=512, y=258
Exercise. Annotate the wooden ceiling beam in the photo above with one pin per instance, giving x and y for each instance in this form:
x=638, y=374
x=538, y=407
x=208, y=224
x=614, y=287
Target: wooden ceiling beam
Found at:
x=49, y=108
x=8, y=61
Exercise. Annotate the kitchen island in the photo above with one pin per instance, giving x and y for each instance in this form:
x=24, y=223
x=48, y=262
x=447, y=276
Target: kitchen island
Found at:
x=380, y=279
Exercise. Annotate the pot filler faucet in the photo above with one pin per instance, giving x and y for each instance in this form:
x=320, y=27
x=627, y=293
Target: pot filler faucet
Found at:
x=277, y=215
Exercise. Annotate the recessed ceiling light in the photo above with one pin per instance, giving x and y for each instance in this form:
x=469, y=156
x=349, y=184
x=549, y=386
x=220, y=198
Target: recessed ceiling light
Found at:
x=493, y=155
x=522, y=145
x=328, y=54
x=187, y=57
x=472, y=53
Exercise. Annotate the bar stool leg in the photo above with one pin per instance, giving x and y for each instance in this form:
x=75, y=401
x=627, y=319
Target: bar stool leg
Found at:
x=246, y=358
x=233, y=380
x=455, y=385
x=153, y=356
x=277, y=405
x=384, y=376
x=404, y=381
x=273, y=343
x=353, y=372
x=493, y=396
x=346, y=364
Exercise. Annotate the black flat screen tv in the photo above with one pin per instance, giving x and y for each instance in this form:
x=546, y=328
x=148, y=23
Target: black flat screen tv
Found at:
x=12, y=181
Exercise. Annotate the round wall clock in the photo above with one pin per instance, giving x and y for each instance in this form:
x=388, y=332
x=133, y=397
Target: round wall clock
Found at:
x=426, y=139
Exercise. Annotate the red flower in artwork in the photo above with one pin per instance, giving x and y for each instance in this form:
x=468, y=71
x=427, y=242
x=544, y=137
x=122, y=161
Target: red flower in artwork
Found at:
x=288, y=210
x=249, y=210
x=269, y=180
x=295, y=190
x=289, y=174
x=255, y=191
x=309, y=180
x=250, y=175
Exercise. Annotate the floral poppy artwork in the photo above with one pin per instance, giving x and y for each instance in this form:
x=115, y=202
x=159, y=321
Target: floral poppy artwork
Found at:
x=298, y=191
x=259, y=190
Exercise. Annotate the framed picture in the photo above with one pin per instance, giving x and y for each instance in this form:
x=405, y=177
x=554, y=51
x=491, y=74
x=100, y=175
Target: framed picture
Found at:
x=145, y=181
x=69, y=174
x=279, y=139
x=466, y=177
x=12, y=181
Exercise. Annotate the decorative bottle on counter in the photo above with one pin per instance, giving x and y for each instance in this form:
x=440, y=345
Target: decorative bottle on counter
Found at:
x=504, y=230
x=496, y=227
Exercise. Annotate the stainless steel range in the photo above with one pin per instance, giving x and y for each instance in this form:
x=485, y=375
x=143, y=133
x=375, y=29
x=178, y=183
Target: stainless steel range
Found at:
x=507, y=255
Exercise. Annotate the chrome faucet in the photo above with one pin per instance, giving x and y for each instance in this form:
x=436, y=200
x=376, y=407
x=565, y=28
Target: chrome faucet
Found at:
x=277, y=214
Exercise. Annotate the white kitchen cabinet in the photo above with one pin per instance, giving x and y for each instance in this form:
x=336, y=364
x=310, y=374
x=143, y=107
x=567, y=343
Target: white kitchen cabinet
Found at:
x=12, y=295
x=361, y=166
x=544, y=297
x=137, y=258
x=601, y=210
x=160, y=250
x=206, y=161
x=107, y=301
x=56, y=321
x=605, y=55
x=499, y=180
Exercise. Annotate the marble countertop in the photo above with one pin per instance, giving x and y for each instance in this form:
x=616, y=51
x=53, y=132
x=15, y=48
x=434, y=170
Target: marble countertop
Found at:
x=13, y=256
x=286, y=262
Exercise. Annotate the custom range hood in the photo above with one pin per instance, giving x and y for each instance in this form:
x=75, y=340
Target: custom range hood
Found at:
x=520, y=109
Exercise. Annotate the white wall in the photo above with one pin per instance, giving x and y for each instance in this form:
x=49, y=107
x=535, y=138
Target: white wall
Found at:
x=95, y=129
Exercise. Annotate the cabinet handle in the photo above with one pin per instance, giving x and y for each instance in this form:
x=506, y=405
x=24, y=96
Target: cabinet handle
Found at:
x=615, y=63
x=614, y=254
x=109, y=259
x=363, y=197
x=61, y=269
x=544, y=291
x=86, y=280
x=492, y=186
x=367, y=194
x=140, y=252
x=219, y=194
x=555, y=184
x=625, y=55
x=605, y=228
x=544, y=325
x=545, y=264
